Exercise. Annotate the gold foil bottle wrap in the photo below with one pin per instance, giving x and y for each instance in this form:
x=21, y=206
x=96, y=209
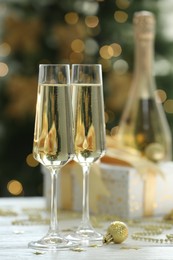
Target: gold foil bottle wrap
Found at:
x=144, y=25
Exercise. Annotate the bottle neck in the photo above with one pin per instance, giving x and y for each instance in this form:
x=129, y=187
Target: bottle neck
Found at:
x=143, y=72
x=144, y=58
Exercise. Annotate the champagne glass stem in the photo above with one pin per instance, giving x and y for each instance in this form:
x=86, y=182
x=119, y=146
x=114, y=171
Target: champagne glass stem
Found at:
x=85, y=204
x=54, y=203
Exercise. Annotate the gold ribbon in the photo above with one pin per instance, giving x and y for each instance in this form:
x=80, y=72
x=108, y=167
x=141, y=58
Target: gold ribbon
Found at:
x=149, y=194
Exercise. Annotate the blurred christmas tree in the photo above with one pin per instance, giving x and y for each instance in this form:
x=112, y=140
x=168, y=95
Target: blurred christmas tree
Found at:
x=78, y=31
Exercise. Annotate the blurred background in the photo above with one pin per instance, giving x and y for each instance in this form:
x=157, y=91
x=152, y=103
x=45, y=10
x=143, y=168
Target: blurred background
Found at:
x=69, y=31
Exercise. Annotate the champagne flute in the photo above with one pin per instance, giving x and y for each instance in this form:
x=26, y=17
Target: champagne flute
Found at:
x=53, y=146
x=89, y=135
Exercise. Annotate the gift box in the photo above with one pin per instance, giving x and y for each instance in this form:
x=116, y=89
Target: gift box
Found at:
x=133, y=195
x=116, y=189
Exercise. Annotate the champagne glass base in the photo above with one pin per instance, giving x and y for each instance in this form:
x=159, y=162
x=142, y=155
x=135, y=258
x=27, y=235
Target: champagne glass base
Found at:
x=52, y=243
x=86, y=237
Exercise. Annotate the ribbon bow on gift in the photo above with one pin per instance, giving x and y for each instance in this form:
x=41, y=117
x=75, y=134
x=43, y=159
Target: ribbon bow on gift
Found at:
x=131, y=157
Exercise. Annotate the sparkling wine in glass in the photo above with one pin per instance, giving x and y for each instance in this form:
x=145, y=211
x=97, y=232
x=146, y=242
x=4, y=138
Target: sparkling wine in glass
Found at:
x=53, y=140
x=89, y=135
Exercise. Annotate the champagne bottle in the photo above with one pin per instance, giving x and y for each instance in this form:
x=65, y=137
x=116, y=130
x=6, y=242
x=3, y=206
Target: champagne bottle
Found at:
x=143, y=126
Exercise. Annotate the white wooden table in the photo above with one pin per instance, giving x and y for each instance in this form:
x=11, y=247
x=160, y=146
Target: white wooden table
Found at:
x=16, y=232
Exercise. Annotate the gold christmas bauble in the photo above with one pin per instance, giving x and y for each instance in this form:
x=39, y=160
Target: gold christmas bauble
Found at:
x=117, y=232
